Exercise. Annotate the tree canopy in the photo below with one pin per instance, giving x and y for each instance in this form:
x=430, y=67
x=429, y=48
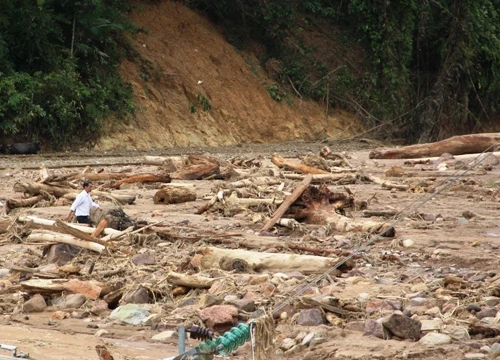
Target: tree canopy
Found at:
x=58, y=68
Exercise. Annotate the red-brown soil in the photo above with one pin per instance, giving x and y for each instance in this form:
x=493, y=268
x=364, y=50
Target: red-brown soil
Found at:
x=186, y=59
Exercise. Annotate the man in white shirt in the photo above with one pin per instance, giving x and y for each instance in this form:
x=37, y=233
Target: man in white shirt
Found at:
x=82, y=204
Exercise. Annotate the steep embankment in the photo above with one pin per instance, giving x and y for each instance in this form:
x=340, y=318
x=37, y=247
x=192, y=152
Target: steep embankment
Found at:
x=187, y=62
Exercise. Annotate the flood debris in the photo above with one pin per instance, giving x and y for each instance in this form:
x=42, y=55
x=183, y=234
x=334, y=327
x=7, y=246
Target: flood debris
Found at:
x=214, y=241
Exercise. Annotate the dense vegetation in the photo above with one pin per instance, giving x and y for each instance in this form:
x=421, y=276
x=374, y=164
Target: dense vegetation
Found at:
x=414, y=69
x=58, y=68
x=430, y=68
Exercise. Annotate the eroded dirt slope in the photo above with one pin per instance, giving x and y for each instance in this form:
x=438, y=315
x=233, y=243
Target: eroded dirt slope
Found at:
x=187, y=62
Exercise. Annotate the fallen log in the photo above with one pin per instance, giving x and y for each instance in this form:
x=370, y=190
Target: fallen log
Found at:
x=190, y=281
x=81, y=176
x=269, y=262
x=234, y=200
x=47, y=236
x=174, y=195
x=286, y=204
x=123, y=199
x=36, y=188
x=456, y=145
x=48, y=222
x=256, y=181
x=464, y=157
x=196, y=172
x=100, y=176
x=19, y=203
x=66, y=192
x=79, y=234
x=346, y=224
x=297, y=167
x=171, y=163
x=143, y=178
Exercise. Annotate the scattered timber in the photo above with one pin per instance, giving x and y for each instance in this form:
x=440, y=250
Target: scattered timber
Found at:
x=36, y=189
x=262, y=262
x=456, y=145
x=54, y=237
x=48, y=222
x=143, y=178
x=286, y=204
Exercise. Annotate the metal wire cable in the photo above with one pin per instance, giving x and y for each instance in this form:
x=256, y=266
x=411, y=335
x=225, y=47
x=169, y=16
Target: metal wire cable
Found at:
x=402, y=214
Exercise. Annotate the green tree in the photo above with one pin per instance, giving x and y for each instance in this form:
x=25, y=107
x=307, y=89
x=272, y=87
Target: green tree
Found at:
x=59, y=68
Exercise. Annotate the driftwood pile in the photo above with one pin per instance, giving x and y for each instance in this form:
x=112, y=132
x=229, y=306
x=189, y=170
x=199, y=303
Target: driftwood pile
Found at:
x=289, y=202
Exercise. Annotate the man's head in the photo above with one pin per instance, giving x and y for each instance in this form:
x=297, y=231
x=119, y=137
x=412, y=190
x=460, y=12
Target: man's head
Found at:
x=87, y=186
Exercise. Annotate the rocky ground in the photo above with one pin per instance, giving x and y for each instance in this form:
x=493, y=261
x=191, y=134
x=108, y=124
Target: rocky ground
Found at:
x=430, y=292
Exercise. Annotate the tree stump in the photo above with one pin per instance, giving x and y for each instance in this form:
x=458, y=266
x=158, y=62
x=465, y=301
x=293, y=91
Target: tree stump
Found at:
x=116, y=218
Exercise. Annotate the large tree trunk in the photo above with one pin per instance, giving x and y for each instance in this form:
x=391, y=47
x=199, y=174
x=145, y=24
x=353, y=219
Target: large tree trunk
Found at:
x=35, y=189
x=18, y=203
x=100, y=176
x=79, y=234
x=271, y=262
x=174, y=195
x=67, y=193
x=143, y=178
x=456, y=145
x=47, y=222
x=345, y=224
x=46, y=236
x=196, y=172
